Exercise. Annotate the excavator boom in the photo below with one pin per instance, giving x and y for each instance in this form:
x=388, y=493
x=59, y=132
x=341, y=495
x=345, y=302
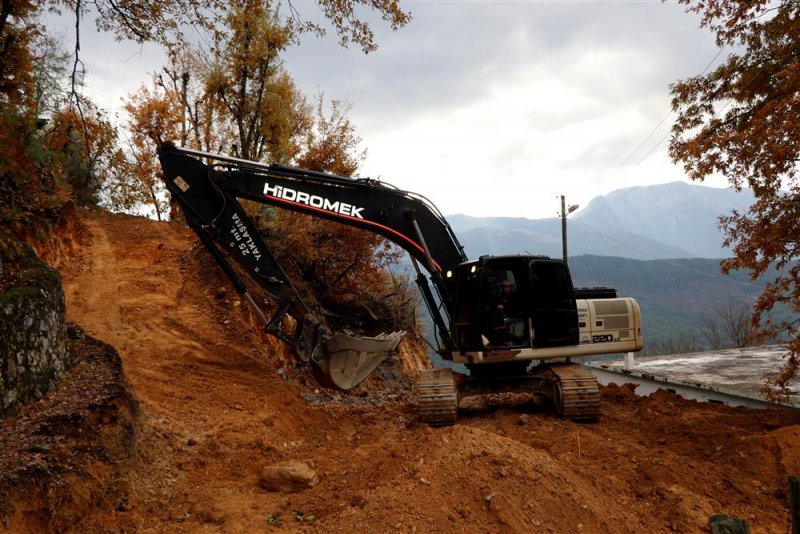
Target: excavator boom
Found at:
x=342, y=360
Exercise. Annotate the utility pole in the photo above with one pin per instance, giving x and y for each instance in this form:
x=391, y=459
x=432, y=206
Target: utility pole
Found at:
x=564, y=213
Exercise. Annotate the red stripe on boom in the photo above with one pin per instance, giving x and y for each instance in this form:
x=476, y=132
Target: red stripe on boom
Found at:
x=388, y=229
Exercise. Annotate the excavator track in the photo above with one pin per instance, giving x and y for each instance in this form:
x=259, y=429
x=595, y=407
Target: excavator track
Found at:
x=575, y=392
x=437, y=397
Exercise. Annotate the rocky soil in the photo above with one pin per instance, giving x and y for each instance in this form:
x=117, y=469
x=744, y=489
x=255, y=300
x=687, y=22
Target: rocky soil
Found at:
x=183, y=432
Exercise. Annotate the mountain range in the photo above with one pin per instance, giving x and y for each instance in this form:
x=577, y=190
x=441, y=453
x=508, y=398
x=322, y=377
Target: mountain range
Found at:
x=673, y=220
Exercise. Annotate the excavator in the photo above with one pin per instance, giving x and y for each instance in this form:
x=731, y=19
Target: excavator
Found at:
x=514, y=321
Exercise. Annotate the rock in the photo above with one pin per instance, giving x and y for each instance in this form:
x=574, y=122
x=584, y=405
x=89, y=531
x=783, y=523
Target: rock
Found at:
x=358, y=501
x=727, y=524
x=290, y=477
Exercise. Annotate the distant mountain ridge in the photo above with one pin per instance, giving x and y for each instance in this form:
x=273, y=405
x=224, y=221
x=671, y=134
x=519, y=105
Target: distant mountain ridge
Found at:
x=674, y=220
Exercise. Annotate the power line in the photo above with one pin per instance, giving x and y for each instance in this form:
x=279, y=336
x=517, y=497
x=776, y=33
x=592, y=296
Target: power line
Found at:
x=657, y=126
x=653, y=148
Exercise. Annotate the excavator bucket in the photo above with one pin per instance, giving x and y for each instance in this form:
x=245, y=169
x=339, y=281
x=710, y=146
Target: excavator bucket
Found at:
x=349, y=358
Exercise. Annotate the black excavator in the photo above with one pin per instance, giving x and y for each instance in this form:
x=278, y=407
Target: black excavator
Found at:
x=516, y=322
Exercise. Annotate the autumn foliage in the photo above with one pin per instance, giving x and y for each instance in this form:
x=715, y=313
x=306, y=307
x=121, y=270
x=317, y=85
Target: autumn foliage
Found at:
x=243, y=82
x=83, y=152
x=21, y=188
x=345, y=267
x=742, y=120
x=239, y=100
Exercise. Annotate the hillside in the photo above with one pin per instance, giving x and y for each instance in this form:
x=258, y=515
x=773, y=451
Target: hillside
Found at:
x=218, y=403
x=516, y=235
x=674, y=220
x=674, y=295
x=676, y=214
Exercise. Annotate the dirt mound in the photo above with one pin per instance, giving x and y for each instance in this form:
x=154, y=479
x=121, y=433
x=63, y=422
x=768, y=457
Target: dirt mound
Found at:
x=618, y=394
x=219, y=403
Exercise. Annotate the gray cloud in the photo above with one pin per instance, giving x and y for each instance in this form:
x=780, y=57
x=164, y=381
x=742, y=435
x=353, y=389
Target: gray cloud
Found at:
x=452, y=52
x=477, y=91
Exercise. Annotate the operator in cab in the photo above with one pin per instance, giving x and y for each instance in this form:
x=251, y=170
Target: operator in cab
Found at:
x=507, y=301
x=505, y=312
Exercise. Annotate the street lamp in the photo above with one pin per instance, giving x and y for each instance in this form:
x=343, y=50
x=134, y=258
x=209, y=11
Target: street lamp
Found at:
x=564, y=212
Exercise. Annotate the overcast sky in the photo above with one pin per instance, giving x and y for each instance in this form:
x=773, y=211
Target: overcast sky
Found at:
x=491, y=108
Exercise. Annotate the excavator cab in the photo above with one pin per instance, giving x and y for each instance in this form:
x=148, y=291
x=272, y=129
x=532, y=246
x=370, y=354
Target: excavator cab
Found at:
x=503, y=319
x=554, y=313
x=513, y=302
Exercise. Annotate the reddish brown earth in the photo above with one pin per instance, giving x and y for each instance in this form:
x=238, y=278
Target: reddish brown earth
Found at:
x=217, y=403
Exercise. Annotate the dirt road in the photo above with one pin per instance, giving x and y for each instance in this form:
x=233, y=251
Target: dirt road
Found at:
x=219, y=403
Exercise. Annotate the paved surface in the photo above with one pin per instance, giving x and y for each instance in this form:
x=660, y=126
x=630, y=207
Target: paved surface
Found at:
x=739, y=372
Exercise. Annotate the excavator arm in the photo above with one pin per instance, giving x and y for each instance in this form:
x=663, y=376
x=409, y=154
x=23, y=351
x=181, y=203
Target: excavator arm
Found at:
x=208, y=195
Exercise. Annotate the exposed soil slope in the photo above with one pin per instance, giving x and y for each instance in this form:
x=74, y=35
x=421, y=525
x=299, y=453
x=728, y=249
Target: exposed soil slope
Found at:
x=217, y=404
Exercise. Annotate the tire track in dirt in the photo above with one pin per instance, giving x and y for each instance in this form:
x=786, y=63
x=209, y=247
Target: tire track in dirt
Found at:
x=90, y=299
